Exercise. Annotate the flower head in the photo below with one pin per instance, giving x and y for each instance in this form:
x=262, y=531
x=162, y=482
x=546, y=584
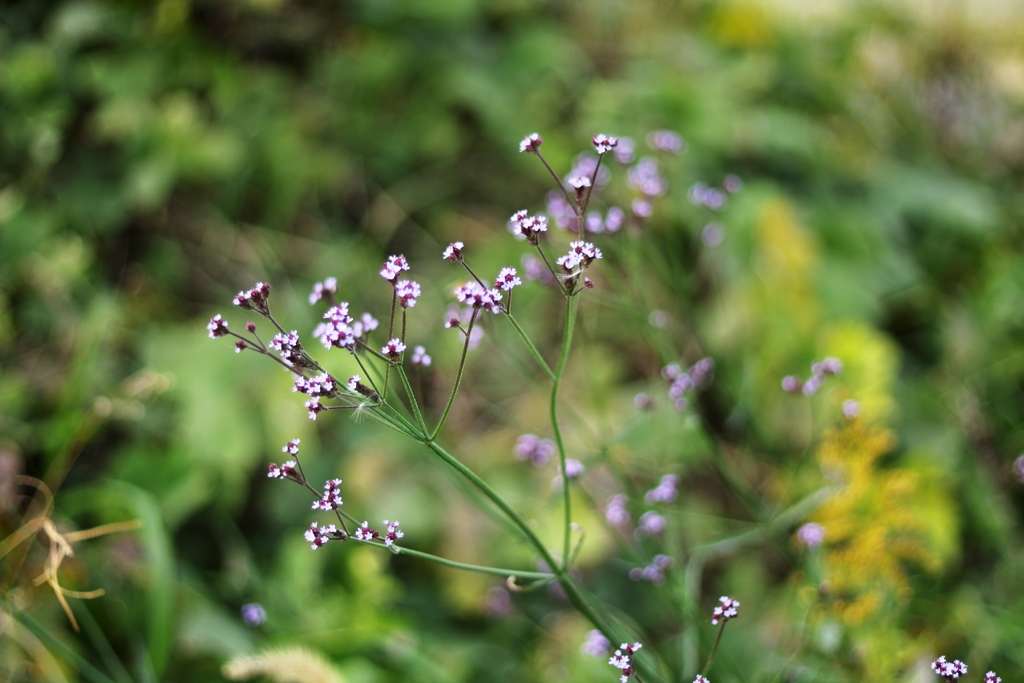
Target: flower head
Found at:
x=474, y=295
x=665, y=491
x=596, y=645
x=292, y=447
x=811, y=535
x=314, y=407
x=666, y=140
x=365, y=533
x=726, y=611
x=531, y=143
x=407, y=291
x=623, y=660
x=851, y=409
x=991, y=677
x=949, y=670
x=253, y=614
x=318, y=536
x=533, y=449
x=393, y=266
x=328, y=288
x=507, y=279
x=331, y=500
x=287, y=345
x=420, y=357
x=285, y=471
x=393, y=533
x=524, y=225
x=217, y=326
x=453, y=252
x=605, y=143
x=256, y=299
x=393, y=349
x=615, y=510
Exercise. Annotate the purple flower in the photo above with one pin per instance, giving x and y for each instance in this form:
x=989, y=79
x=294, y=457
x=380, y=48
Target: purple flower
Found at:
x=726, y=611
x=256, y=299
x=623, y=660
x=531, y=143
x=605, y=143
x=851, y=409
x=811, y=535
x=393, y=266
x=949, y=670
x=453, y=252
x=474, y=295
x=253, y=614
x=613, y=219
x=596, y=645
x=991, y=677
x=318, y=537
x=665, y=491
x=393, y=533
x=393, y=349
x=594, y=222
x=624, y=150
x=666, y=140
x=732, y=183
x=615, y=510
x=365, y=533
x=292, y=447
x=287, y=345
x=407, y=291
x=642, y=401
x=331, y=500
x=507, y=279
x=561, y=211
x=217, y=326
x=338, y=330
x=533, y=449
x=646, y=177
x=651, y=524
x=573, y=468
x=1018, y=468
x=712, y=235
x=641, y=208
x=328, y=287
x=791, y=384
x=700, y=679
x=653, y=572
x=314, y=407
x=580, y=255
x=420, y=357
x=285, y=471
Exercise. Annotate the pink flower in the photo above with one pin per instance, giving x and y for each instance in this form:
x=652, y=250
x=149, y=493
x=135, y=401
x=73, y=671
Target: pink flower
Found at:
x=507, y=279
x=393, y=266
x=726, y=611
x=531, y=143
x=407, y=291
x=453, y=252
x=605, y=143
x=217, y=326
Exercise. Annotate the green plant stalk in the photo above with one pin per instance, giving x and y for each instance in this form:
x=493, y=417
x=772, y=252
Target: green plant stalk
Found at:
x=714, y=648
x=472, y=567
x=533, y=349
x=412, y=400
x=571, y=306
x=458, y=378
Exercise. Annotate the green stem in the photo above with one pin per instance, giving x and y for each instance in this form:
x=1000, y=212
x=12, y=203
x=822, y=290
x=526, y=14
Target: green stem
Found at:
x=458, y=377
x=412, y=399
x=571, y=307
x=498, y=501
x=714, y=648
x=533, y=349
x=472, y=567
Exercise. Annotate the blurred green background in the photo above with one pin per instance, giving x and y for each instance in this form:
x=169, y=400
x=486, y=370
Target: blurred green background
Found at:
x=156, y=157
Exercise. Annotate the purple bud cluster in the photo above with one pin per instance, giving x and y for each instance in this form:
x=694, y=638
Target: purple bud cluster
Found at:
x=326, y=289
x=949, y=670
x=811, y=535
x=474, y=295
x=820, y=371
x=623, y=660
x=665, y=492
x=729, y=609
x=320, y=385
x=615, y=510
x=288, y=346
x=653, y=572
x=681, y=382
x=596, y=645
x=256, y=299
x=533, y=449
x=319, y=536
x=579, y=258
x=419, y=357
x=217, y=326
x=331, y=500
x=650, y=524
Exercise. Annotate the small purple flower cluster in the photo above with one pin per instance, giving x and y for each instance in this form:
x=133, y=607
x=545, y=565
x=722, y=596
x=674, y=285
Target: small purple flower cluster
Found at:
x=729, y=609
x=475, y=295
x=623, y=660
x=653, y=572
x=324, y=290
x=318, y=536
x=665, y=492
x=681, y=382
x=533, y=449
x=650, y=524
x=811, y=535
x=319, y=385
x=256, y=299
x=615, y=510
x=820, y=370
x=949, y=670
x=596, y=645
x=331, y=500
x=579, y=258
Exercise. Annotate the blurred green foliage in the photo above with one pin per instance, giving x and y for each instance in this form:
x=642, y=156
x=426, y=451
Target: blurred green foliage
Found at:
x=157, y=157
